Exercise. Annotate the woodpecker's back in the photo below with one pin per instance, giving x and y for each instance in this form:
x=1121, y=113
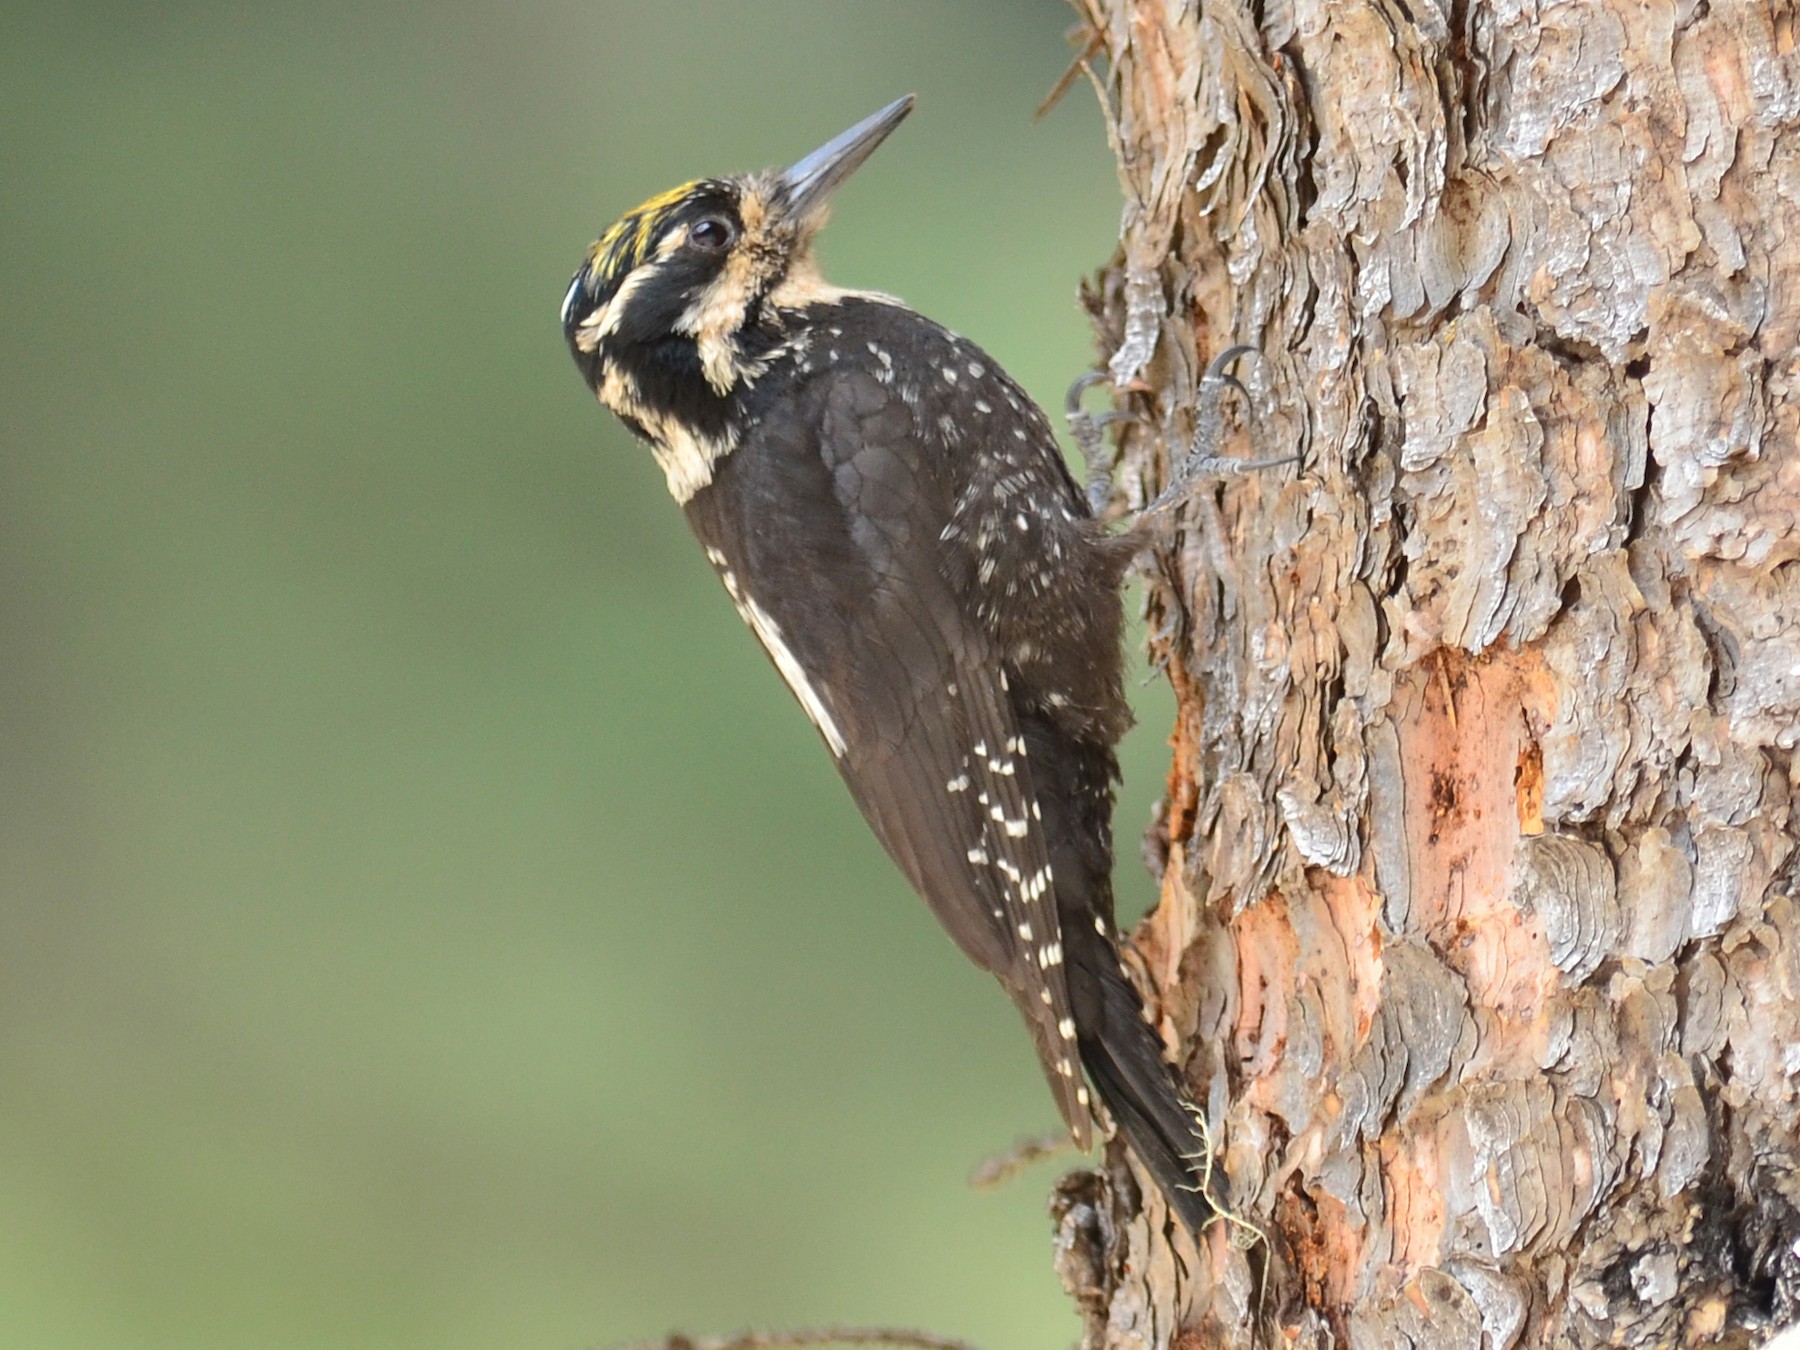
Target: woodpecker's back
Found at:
x=892, y=518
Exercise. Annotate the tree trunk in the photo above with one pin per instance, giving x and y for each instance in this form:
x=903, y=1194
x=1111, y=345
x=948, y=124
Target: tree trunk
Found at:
x=1478, y=936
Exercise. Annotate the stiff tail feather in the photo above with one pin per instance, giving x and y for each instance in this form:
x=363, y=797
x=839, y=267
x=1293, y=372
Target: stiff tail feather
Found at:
x=1123, y=1059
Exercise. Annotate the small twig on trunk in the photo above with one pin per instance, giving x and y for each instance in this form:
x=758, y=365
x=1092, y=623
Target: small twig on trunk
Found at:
x=900, y=1338
x=996, y=1171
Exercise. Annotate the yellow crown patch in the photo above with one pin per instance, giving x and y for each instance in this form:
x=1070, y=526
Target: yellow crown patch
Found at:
x=627, y=242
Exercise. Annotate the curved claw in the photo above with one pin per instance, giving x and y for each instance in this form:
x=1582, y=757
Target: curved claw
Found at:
x=1218, y=371
x=1216, y=368
x=1083, y=383
x=1087, y=429
x=1083, y=424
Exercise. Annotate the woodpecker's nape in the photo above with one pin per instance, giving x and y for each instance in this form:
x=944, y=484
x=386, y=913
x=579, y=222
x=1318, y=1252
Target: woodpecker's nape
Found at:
x=891, y=516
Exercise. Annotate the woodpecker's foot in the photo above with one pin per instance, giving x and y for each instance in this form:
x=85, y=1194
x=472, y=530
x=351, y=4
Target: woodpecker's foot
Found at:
x=1203, y=458
x=1089, y=433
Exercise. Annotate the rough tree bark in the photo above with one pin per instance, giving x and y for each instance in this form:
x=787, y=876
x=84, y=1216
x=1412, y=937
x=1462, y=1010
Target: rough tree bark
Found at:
x=1478, y=934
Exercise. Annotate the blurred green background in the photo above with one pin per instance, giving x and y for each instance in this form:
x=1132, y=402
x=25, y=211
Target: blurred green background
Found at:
x=426, y=919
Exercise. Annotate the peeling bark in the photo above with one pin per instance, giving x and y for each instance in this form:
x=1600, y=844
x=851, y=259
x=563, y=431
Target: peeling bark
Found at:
x=1479, y=936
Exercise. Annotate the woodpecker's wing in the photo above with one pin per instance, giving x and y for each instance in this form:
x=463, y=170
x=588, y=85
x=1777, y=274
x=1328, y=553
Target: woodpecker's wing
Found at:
x=824, y=525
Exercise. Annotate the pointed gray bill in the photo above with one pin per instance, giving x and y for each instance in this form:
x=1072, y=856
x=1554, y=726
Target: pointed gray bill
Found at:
x=811, y=181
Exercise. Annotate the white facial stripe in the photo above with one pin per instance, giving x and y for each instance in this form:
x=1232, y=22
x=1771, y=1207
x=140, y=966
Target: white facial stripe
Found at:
x=603, y=320
x=715, y=317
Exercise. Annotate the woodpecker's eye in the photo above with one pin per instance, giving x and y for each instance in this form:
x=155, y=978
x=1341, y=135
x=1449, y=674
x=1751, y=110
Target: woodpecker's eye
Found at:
x=711, y=234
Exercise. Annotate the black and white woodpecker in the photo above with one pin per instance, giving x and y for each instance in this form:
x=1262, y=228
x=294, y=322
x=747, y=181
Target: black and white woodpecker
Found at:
x=890, y=514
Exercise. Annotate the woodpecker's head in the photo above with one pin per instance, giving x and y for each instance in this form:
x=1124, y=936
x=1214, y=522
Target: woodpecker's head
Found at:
x=684, y=288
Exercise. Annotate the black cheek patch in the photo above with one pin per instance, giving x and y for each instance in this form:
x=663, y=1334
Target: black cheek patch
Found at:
x=668, y=377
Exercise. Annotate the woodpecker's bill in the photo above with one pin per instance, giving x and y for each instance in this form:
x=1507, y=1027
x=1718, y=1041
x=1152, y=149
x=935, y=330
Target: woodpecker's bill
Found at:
x=891, y=516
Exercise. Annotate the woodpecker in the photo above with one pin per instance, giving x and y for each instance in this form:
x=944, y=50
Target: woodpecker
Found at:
x=890, y=514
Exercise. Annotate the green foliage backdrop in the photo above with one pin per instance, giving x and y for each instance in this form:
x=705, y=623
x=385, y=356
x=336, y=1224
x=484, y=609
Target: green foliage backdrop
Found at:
x=424, y=919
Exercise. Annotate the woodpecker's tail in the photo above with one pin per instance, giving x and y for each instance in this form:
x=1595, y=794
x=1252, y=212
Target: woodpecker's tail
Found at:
x=1073, y=778
x=1123, y=1059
